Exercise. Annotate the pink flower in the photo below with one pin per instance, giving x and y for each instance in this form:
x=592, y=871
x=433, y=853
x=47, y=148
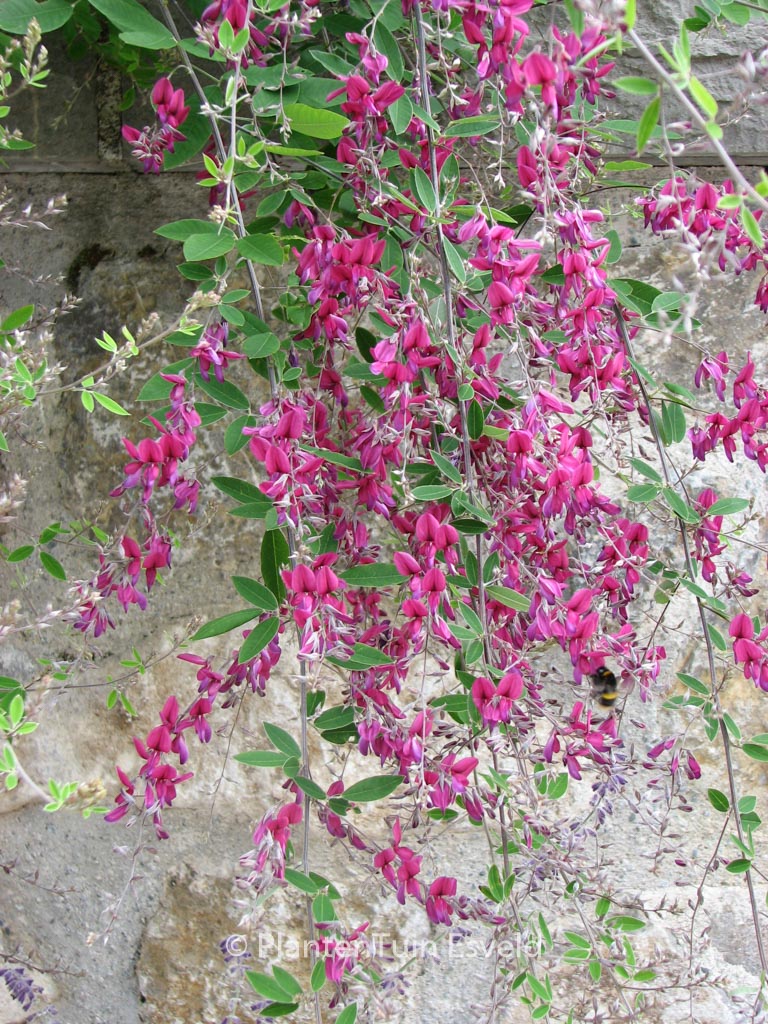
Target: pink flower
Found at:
x=496, y=704
x=438, y=908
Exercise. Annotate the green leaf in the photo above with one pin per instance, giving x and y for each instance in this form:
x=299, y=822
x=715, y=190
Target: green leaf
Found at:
x=18, y=317
x=645, y=470
x=432, y=492
x=363, y=657
x=235, y=439
x=375, y=788
x=260, y=346
x=471, y=527
x=332, y=62
x=3, y=443
x=509, y=598
x=727, y=507
x=636, y=86
x=301, y=881
x=240, y=490
x=272, y=1010
x=679, y=507
x=282, y=740
x=226, y=623
x=717, y=638
x=458, y=267
x=626, y=165
x=558, y=787
x=223, y=391
x=136, y=26
x=263, y=249
x=386, y=44
x=468, y=127
x=643, y=493
x=424, y=189
x=110, y=404
x=372, y=575
x=703, y=97
x=268, y=987
x=52, y=566
x=21, y=553
x=615, y=250
x=693, y=588
x=648, y=123
x=157, y=388
x=15, y=15
x=335, y=718
x=693, y=684
x=51, y=532
x=322, y=909
x=475, y=420
x=181, y=230
x=673, y=419
x=348, y=1015
x=271, y=204
x=262, y=758
x=208, y=246
x=252, y=510
x=335, y=458
x=318, y=124
x=400, y=114
x=538, y=988
x=752, y=228
x=258, y=639
x=756, y=752
x=256, y=593
x=288, y=982
x=731, y=726
x=735, y=12
x=309, y=787
x=626, y=924
x=232, y=315
x=274, y=555
x=738, y=867
x=317, y=978
x=719, y=800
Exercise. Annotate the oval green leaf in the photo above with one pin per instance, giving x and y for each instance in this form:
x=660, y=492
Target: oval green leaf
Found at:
x=262, y=758
x=226, y=623
x=375, y=788
x=318, y=124
x=207, y=246
x=258, y=639
x=255, y=593
x=263, y=249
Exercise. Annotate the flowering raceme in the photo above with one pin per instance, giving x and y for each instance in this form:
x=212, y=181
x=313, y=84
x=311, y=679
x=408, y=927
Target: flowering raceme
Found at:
x=448, y=379
x=151, y=144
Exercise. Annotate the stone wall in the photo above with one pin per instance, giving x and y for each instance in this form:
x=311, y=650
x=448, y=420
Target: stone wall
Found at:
x=70, y=884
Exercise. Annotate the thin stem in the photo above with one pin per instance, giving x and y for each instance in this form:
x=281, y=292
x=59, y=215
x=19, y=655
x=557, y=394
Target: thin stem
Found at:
x=237, y=214
x=715, y=696
x=99, y=374
x=702, y=123
x=40, y=794
x=445, y=276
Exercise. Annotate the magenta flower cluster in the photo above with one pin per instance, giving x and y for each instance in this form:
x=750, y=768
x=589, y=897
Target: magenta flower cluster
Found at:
x=512, y=546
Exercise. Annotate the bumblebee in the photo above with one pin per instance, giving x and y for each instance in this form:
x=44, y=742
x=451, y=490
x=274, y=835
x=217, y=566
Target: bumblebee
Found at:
x=606, y=687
